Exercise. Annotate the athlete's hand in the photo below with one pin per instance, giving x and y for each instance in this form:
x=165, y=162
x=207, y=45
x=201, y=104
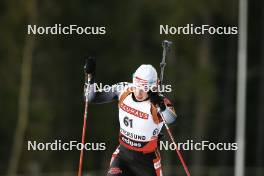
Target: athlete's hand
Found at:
x=157, y=99
x=89, y=67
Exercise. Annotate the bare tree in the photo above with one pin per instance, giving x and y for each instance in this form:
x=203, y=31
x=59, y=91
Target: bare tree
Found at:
x=260, y=132
x=204, y=91
x=24, y=94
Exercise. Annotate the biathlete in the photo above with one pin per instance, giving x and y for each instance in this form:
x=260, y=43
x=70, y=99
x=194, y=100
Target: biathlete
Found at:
x=140, y=107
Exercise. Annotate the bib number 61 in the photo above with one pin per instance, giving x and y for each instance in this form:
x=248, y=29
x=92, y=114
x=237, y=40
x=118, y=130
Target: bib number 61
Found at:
x=128, y=122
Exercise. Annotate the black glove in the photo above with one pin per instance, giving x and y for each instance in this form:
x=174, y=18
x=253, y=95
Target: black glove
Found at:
x=89, y=67
x=157, y=99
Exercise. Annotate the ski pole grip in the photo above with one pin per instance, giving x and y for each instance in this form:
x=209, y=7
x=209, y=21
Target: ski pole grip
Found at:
x=166, y=44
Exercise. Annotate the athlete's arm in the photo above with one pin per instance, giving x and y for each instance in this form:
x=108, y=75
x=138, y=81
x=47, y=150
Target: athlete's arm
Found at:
x=96, y=95
x=106, y=95
x=165, y=106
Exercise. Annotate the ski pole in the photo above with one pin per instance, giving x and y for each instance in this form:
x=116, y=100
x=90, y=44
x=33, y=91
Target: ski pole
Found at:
x=176, y=147
x=87, y=84
x=166, y=46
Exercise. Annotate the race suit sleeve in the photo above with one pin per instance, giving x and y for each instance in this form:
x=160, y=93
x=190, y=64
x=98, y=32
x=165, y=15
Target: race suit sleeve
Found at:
x=107, y=94
x=169, y=113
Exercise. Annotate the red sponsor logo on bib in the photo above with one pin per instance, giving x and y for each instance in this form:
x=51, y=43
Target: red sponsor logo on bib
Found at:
x=134, y=111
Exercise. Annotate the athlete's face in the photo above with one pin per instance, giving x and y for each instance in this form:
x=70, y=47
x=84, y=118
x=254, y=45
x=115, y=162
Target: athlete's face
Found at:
x=140, y=94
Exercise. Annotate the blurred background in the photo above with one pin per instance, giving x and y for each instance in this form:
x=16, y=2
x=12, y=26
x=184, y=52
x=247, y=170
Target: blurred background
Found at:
x=41, y=81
